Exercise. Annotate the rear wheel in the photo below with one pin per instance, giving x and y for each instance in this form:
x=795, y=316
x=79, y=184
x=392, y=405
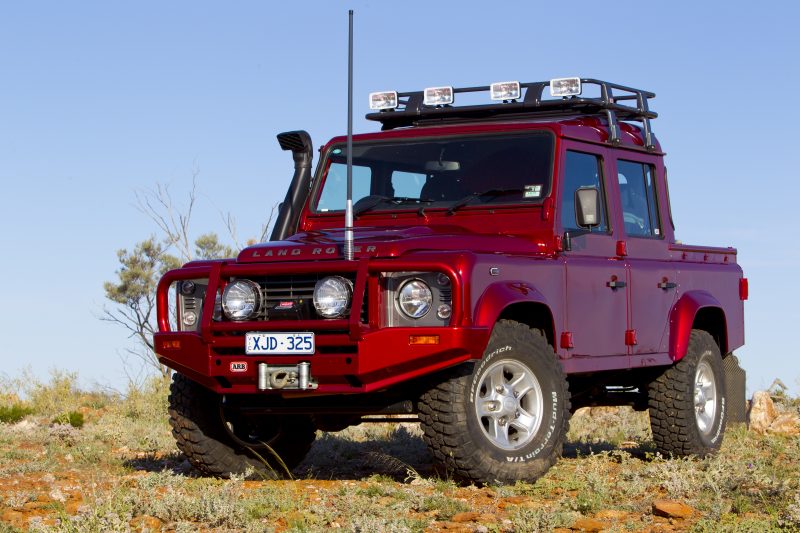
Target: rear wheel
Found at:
x=503, y=418
x=688, y=401
x=220, y=442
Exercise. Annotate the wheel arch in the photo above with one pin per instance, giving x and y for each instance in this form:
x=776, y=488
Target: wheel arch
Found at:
x=696, y=310
x=517, y=301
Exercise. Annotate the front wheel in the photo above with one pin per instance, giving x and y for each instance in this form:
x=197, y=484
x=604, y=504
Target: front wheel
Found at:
x=220, y=442
x=503, y=418
x=688, y=401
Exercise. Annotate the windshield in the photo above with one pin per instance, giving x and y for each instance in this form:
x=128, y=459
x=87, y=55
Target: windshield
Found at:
x=439, y=172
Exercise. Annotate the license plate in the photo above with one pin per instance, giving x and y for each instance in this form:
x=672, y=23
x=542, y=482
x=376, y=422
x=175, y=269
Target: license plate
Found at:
x=279, y=343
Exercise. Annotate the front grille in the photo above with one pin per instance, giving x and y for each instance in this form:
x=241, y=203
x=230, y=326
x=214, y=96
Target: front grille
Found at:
x=276, y=290
x=291, y=297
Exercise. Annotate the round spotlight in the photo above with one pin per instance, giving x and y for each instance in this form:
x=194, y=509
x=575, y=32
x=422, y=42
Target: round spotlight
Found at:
x=414, y=298
x=241, y=299
x=443, y=280
x=444, y=311
x=332, y=296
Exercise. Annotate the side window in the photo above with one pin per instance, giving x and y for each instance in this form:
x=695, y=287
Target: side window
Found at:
x=581, y=171
x=637, y=191
x=334, y=195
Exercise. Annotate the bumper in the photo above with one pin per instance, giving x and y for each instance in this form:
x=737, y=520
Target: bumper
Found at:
x=376, y=361
x=352, y=356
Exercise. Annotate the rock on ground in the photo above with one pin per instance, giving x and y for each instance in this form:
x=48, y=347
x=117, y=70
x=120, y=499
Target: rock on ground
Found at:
x=787, y=424
x=762, y=412
x=672, y=509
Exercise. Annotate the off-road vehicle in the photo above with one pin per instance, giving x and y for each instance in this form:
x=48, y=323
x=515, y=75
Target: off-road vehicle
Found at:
x=513, y=260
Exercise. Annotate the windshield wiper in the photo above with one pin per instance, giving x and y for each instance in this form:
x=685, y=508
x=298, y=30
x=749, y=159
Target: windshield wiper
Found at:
x=484, y=194
x=368, y=203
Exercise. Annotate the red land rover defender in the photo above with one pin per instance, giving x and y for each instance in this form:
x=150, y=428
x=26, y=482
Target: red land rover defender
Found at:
x=514, y=260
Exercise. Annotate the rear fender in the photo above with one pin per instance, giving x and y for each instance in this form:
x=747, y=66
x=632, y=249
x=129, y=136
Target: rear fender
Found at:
x=682, y=320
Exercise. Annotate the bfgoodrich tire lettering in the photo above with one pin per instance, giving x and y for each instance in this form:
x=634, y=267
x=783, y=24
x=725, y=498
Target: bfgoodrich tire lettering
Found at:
x=688, y=401
x=210, y=441
x=503, y=418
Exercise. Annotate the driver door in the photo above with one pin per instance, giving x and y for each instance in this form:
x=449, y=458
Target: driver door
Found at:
x=596, y=278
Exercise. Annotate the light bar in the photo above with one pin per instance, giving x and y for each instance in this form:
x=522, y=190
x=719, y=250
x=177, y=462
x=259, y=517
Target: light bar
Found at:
x=438, y=96
x=565, y=87
x=505, y=90
x=383, y=100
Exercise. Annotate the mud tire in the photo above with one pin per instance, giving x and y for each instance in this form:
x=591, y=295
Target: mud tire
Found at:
x=455, y=432
x=674, y=416
x=203, y=435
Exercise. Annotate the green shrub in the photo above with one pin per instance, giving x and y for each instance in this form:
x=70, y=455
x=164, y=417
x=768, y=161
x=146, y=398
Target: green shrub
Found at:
x=73, y=418
x=14, y=413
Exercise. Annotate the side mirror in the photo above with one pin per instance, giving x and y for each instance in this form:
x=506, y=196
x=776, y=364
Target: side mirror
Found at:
x=587, y=207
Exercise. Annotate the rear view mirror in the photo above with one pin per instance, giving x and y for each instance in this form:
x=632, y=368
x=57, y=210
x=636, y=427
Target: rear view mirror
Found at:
x=440, y=166
x=587, y=207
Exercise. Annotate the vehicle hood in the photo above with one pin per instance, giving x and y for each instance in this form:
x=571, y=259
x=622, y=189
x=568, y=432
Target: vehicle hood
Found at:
x=386, y=242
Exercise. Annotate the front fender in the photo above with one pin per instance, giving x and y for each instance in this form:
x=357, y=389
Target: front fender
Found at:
x=498, y=296
x=681, y=319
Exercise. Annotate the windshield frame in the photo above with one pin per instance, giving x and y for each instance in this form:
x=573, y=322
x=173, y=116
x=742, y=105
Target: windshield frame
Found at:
x=325, y=161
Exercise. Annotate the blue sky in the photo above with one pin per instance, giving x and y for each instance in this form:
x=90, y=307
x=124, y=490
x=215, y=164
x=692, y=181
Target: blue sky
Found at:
x=101, y=99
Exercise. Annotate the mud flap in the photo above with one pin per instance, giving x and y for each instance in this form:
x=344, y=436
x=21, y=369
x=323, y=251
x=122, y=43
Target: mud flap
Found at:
x=735, y=378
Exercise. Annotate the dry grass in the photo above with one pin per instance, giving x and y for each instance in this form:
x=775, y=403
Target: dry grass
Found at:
x=121, y=471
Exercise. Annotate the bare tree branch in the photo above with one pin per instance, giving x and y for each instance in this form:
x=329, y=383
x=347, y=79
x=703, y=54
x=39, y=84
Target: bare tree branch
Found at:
x=173, y=223
x=265, y=227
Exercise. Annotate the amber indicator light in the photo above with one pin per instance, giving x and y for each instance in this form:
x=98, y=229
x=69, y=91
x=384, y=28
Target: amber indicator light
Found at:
x=171, y=345
x=423, y=339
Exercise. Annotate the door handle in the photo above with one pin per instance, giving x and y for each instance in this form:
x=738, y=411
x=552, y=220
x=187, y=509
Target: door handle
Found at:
x=615, y=284
x=666, y=285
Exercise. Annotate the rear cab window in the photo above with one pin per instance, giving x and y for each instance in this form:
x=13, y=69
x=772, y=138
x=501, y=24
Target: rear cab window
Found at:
x=639, y=201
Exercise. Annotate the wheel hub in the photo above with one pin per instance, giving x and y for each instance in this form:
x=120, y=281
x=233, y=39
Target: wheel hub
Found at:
x=509, y=404
x=705, y=397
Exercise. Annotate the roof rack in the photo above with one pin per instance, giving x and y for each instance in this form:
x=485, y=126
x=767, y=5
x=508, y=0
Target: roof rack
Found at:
x=412, y=111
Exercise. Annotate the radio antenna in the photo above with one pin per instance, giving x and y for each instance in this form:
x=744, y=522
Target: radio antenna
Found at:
x=348, y=213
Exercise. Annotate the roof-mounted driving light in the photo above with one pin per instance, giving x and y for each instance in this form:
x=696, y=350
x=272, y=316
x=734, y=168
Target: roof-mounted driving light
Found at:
x=565, y=87
x=505, y=90
x=438, y=96
x=382, y=101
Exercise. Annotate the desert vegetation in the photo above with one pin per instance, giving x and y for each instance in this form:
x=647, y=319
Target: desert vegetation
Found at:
x=76, y=460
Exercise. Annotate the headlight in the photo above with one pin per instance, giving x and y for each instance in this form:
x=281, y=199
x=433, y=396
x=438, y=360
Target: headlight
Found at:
x=414, y=298
x=332, y=296
x=241, y=299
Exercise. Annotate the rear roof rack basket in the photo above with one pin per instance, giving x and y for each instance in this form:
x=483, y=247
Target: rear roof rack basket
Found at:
x=615, y=103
